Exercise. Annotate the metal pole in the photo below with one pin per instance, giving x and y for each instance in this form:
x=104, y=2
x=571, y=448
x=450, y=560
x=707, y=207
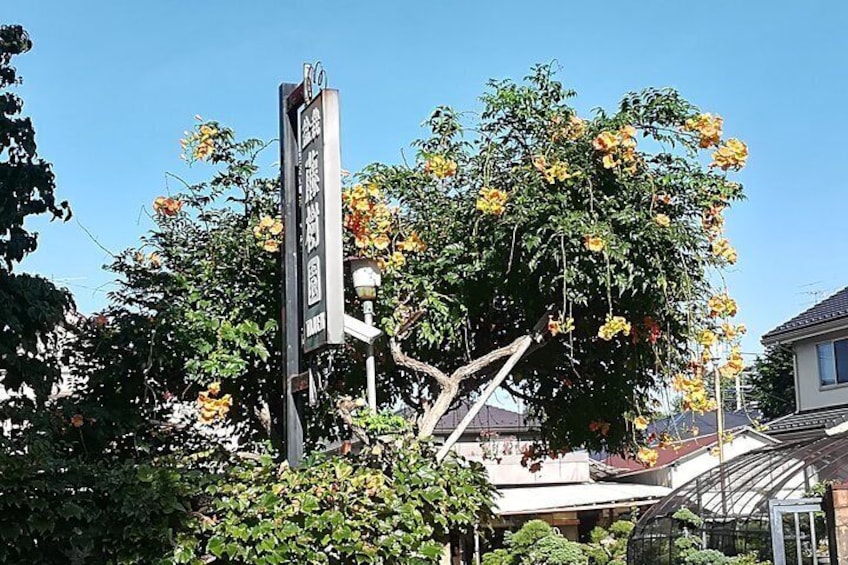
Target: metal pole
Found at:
x=739, y=392
x=813, y=539
x=370, y=366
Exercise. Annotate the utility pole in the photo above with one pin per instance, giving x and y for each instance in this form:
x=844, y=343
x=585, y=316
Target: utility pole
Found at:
x=720, y=437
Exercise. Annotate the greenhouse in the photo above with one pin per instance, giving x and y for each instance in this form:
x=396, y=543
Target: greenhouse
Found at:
x=739, y=500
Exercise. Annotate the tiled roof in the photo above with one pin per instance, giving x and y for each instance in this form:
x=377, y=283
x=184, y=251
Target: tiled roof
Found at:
x=809, y=421
x=831, y=308
x=665, y=455
x=680, y=425
x=489, y=419
x=689, y=430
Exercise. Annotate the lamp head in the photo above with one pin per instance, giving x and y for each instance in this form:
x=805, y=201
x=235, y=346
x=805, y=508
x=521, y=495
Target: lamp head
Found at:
x=366, y=277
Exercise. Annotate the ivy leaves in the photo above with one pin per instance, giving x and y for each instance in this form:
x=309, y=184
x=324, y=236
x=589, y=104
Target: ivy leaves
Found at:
x=395, y=508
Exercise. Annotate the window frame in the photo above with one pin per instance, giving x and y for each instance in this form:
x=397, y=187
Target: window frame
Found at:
x=829, y=343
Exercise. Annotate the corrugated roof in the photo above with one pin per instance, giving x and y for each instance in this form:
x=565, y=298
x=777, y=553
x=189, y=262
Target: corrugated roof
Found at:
x=557, y=498
x=829, y=309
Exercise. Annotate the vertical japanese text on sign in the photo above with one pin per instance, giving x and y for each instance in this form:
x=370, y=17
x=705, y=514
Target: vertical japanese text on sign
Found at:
x=320, y=203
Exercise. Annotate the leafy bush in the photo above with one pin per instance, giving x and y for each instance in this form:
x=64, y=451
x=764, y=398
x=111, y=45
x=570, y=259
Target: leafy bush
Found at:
x=396, y=507
x=390, y=504
x=537, y=543
x=609, y=547
x=72, y=511
x=690, y=547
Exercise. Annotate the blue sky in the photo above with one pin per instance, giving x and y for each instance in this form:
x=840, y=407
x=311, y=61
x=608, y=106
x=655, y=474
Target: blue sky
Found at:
x=112, y=85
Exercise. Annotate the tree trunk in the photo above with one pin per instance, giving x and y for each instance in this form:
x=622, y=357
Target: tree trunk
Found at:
x=430, y=419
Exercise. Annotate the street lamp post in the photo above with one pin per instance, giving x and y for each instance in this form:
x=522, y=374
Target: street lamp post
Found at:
x=366, y=281
x=370, y=365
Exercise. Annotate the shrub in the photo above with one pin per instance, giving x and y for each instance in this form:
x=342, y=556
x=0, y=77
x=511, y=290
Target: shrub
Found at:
x=537, y=543
x=390, y=504
x=609, y=547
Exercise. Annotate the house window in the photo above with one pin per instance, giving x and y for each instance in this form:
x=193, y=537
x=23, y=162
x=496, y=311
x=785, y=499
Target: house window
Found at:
x=833, y=362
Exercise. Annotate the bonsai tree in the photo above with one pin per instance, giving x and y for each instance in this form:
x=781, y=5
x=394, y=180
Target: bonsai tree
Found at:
x=537, y=543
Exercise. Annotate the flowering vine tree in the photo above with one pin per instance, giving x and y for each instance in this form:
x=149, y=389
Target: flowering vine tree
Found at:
x=606, y=229
x=610, y=225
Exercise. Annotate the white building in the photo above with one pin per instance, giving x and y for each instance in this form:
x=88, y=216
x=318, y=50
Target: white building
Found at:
x=818, y=338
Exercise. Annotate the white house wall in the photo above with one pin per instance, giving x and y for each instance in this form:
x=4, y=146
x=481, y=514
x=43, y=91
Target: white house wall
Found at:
x=691, y=467
x=810, y=394
x=507, y=468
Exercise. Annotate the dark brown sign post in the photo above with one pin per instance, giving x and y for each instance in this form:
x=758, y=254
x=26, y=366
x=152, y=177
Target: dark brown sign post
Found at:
x=313, y=305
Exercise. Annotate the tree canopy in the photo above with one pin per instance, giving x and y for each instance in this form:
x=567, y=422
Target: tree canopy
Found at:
x=773, y=382
x=607, y=229
x=603, y=231
x=31, y=307
x=612, y=224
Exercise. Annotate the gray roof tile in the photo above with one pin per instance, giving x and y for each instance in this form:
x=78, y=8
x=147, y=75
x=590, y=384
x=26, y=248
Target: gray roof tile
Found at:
x=489, y=419
x=808, y=421
x=831, y=308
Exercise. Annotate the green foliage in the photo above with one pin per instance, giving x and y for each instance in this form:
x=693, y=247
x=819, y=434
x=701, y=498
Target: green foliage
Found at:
x=690, y=548
x=28, y=182
x=31, y=307
x=537, y=543
x=706, y=557
x=622, y=528
x=199, y=300
x=773, y=382
x=484, y=280
x=688, y=518
x=398, y=510
x=60, y=511
x=748, y=559
x=819, y=488
x=531, y=544
x=395, y=508
x=498, y=557
x=122, y=472
x=609, y=547
x=385, y=422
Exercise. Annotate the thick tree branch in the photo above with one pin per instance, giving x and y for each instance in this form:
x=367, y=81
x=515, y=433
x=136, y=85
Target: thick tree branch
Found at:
x=482, y=362
x=432, y=414
x=408, y=362
x=345, y=407
x=449, y=386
